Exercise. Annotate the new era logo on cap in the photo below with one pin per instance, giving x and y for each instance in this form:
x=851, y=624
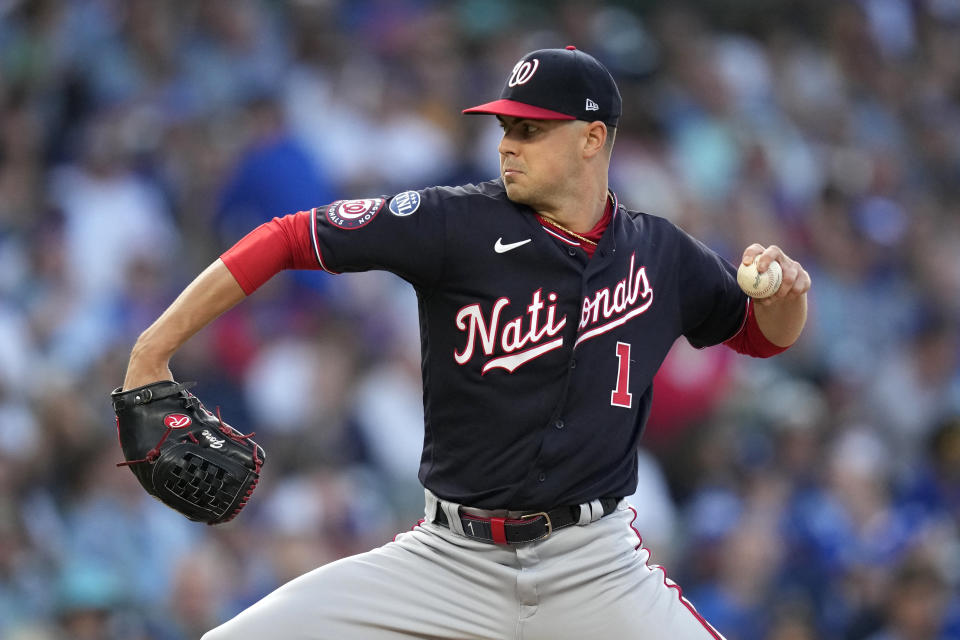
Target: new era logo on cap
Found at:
x=557, y=84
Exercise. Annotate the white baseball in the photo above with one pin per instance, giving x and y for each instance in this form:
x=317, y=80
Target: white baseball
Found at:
x=759, y=285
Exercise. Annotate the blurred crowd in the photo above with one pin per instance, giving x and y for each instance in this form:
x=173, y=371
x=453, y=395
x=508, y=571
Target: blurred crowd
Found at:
x=814, y=495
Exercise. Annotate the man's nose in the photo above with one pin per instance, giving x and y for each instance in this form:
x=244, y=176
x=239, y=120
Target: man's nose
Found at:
x=507, y=146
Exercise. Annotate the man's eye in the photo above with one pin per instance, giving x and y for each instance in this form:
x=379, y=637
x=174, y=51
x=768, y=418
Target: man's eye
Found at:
x=530, y=129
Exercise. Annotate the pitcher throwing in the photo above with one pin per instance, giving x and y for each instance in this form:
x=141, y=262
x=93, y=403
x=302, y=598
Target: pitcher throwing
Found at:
x=546, y=308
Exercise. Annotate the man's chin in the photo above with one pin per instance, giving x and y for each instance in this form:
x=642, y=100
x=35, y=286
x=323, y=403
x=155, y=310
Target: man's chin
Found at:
x=515, y=193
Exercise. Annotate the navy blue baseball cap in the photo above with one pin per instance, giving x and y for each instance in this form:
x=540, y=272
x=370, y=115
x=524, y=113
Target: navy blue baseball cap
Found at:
x=558, y=84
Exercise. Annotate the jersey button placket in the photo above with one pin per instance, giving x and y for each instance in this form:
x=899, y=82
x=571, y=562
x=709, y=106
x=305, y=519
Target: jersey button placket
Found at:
x=558, y=424
x=571, y=251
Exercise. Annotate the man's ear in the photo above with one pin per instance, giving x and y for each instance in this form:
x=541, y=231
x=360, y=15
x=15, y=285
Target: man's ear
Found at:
x=594, y=138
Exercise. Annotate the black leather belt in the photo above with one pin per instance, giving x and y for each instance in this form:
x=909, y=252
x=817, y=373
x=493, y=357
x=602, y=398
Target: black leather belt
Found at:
x=529, y=527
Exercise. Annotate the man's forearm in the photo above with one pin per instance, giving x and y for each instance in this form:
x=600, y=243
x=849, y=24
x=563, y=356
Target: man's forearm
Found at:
x=782, y=321
x=211, y=293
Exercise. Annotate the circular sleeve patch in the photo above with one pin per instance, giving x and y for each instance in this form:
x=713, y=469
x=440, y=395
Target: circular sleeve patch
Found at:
x=353, y=214
x=404, y=204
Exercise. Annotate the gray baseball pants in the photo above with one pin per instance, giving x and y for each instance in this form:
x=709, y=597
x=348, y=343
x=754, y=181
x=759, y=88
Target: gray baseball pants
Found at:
x=585, y=581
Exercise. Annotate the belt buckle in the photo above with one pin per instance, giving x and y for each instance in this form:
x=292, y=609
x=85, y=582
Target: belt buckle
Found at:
x=529, y=516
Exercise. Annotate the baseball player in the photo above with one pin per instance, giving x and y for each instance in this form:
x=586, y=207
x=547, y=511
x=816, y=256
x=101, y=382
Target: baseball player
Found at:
x=546, y=307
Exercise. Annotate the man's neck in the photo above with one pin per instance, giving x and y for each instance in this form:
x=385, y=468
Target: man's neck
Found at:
x=577, y=212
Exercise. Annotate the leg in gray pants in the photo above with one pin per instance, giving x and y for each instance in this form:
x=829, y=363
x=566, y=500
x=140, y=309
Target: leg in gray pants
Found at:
x=589, y=581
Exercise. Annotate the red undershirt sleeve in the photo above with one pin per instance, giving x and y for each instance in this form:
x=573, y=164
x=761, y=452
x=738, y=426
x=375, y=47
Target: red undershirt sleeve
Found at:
x=750, y=339
x=282, y=243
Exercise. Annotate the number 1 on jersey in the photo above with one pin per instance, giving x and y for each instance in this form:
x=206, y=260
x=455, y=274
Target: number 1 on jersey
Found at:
x=621, y=396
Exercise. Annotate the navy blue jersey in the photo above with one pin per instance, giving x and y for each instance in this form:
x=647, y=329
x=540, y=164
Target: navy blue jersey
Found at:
x=538, y=362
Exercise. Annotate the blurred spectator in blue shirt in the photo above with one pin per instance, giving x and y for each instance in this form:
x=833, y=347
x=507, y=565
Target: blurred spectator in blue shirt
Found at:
x=274, y=176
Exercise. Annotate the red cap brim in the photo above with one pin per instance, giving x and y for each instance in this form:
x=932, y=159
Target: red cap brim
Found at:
x=516, y=109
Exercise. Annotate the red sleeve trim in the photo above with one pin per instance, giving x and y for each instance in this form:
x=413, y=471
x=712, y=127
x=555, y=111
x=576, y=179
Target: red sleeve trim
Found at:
x=750, y=340
x=282, y=243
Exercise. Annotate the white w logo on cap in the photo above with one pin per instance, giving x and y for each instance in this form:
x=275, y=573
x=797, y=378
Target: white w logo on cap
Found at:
x=523, y=71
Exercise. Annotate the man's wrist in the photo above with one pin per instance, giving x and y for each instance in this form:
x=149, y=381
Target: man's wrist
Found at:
x=150, y=348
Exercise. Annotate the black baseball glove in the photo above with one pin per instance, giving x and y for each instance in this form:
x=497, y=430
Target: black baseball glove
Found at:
x=183, y=455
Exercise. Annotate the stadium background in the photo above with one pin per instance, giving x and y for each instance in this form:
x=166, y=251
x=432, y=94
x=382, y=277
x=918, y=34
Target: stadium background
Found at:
x=816, y=495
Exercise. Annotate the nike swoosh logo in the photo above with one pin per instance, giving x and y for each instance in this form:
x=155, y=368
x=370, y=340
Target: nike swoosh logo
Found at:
x=499, y=247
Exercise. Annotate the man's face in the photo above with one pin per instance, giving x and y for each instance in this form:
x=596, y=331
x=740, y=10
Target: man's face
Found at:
x=538, y=157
